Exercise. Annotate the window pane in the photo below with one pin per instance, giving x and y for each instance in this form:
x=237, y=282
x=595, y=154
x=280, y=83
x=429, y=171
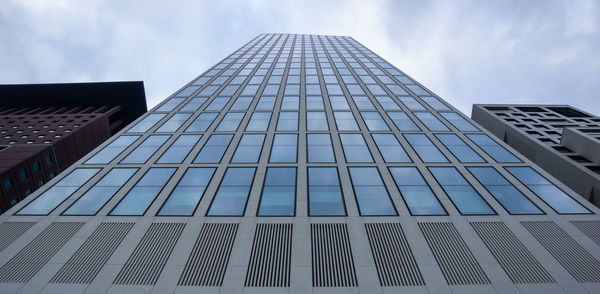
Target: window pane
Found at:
x=416, y=193
x=139, y=198
x=217, y=104
x=390, y=148
x=148, y=122
x=363, y=103
x=265, y=103
x=324, y=192
x=112, y=150
x=202, y=122
x=320, y=148
x=290, y=102
x=431, y=122
x=230, y=122
x=54, y=196
x=249, y=148
x=355, y=148
x=231, y=197
x=426, y=150
x=411, y=103
x=316, y=121
x=241, y=103
x=387, y=103
x=144, y=151
x=371, y=195
x=339, y=102
x=180, y=149
x=459, y=122
x=403, y=122
x=345, y=121
x=284, y=148
x=464, y=197
x=189, y=191
x=97, y=196
x=548, y=192
x=194, y=104
x=279, y=192
x=174, y=123
x=374, y=121
x=435, y=103
x=259, y=122
x=508, y=196
x=314, y=102
x=288, y=121
x=171, y=104
x=213, y=149
x=459, y=149
x=493, y=149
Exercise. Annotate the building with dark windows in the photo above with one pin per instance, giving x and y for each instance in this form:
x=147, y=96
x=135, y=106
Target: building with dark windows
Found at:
x=561, y=139
x=45, y=128
x=302, y=164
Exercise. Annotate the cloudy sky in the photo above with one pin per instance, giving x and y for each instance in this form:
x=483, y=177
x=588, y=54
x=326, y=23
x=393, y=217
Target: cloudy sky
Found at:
x=537, y=51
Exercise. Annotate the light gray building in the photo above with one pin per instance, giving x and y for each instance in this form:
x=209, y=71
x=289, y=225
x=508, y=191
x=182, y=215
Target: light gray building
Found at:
x=302, y=164
x=561, y=139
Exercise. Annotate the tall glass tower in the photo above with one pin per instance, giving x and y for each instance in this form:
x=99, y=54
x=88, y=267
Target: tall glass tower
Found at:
x=302, y=163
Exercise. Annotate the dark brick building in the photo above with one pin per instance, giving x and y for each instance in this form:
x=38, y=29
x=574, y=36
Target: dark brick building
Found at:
x=44, y=128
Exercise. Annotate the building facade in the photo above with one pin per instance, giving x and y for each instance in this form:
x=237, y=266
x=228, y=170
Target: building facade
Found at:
x=45, y=128
x=302, y=164
x=561, y=139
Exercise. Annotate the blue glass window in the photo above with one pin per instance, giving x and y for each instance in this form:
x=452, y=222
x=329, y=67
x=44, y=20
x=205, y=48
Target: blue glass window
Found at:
x=416, y=193
x=230, y=122
x=284, y=148
x=509, y=197
x=363, y=103
x=464, y=197
x=493, y=149
x=314, y=103
x=374, y=121
x=324, y=192
x=316, y=121
x=290, y=103
x=387, y=103
x=355, y=89
x=266, y=103
x=431, y=122
x=231, y=198
x=288, y=121
x=188, y=91
x=417, y=90
x=355, y=148
x=279, y=192
x=371, y=195
x=189, y=191
x=411, y=103
x=403, y=122
x=241, y=103
x=213, y=149
x=548, y=192
x=217, y=104
x=313, y=89
x=397, y=90
x=54, y=196
x=179, y=149
x=459, y=149
x=319, y=148
x=345, y=121
x=435, y=103
x=259, y=122
x=376, y=89
x=249, y=148
x=208, y=91
x=97, y=196
x=139, y=198
x=390, y=148
x=334, y=89
x=171, y=104
x=459, y=122
x=202, y=122
x=194, y=104
x=250, y=90
x=339, y=102
x=144, y=151
x=174, y=123
x=112, y=150
x=426, y=150
x=145, y=124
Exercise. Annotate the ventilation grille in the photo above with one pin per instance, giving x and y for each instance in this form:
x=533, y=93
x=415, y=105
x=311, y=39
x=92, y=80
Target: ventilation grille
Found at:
x=332, y=264
x=456, y=261
x=269, y=264
x=395, y=262
x=578, y=262
x=208, y=261
x=511, y=254
x=22, y=267
x=89, y=259
x=10, y=231
x=590, y=228
x=150, y=256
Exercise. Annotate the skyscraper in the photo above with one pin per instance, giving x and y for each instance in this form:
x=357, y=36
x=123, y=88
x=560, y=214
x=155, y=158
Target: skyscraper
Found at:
x=308, y=164
x=561, y=139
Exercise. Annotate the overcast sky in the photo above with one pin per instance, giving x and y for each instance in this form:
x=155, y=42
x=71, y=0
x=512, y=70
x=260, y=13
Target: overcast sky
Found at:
x=465, y=51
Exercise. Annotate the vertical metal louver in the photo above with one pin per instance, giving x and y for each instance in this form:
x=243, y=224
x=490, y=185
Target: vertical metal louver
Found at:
x=590, y=229
x=269, y=264
x=578, y=262
x=396, y=265
x=23, y=266
x=518, y=263
x=456, y=261
x=148, y=259
x=208, y=261
x=89, y=259
x=10, y=231
x=332, y=264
